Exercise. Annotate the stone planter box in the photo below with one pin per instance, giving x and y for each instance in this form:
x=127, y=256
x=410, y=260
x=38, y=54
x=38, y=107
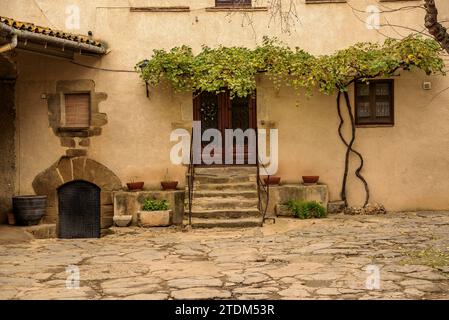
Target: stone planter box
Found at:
x=130, y=203
x=154, y=218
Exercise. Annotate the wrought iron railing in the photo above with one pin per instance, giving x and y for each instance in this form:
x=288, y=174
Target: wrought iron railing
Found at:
x=191, y=176
x=263, y=189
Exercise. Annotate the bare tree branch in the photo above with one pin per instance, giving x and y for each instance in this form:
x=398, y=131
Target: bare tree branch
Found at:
x=436, y=29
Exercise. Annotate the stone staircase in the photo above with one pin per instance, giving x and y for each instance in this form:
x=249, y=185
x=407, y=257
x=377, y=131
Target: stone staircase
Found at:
x=225, y=197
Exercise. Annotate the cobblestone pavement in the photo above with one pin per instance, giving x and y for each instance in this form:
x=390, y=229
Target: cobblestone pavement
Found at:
x=333, y=258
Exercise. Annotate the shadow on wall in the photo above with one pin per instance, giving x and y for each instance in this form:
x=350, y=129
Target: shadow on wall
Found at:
x=7, y=147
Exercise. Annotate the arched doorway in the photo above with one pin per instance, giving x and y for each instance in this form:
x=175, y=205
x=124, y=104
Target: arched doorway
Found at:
x=79, y=210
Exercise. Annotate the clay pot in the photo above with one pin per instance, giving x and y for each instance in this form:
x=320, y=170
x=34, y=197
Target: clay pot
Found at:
x=135, y=186
x=29, y=210
x=310, y=179
x=272, y=180
x=169, y=185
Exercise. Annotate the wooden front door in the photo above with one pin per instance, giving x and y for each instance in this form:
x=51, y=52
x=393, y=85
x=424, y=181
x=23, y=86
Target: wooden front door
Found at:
x=219, y=111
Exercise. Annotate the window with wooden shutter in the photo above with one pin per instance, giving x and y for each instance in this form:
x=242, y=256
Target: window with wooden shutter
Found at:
x=374, y=102
x=233, y=3
x=77, y=110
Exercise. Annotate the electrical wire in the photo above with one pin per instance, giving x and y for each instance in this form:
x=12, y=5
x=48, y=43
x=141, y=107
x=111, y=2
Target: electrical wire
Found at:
x=43, y=13
x=102, y=69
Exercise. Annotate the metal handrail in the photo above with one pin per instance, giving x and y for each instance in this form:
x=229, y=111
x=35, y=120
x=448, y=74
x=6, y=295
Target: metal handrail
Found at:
x=265, y=188
x=260, y=185
x=191, y=172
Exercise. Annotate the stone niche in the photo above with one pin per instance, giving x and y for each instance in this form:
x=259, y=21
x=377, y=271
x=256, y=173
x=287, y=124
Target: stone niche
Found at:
x=130, y=203
x=68, y=169
x=281, y=194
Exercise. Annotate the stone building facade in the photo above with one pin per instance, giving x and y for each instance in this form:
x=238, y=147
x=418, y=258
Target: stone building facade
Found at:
x=128, y=136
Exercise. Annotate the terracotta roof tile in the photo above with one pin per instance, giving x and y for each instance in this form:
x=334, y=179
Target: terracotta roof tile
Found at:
x=27, y=26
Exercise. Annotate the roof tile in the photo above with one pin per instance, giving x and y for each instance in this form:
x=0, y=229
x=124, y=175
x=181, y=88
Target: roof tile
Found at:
x=28, y=26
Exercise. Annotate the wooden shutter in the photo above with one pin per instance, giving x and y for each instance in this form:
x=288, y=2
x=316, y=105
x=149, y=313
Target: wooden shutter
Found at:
x=232, y=3
x=77, y=110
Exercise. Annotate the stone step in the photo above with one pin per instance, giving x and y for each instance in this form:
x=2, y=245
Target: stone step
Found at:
x=225, y=214
x=228, y=187
x=212, y=179
x=245, y=194
x=223, y=203
x=225, y=197
x=225, y=223
x=226, y=171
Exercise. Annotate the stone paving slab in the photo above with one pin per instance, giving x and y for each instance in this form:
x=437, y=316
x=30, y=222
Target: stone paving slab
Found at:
x=333, y=258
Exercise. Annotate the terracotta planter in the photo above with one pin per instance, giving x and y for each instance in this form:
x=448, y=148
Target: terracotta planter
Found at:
x=169, y=185
x=272, y=180
x=11, y=219
x=135, y=186
x=310, y=179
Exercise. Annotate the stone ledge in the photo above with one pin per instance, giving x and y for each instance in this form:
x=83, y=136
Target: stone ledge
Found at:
x=42, y=231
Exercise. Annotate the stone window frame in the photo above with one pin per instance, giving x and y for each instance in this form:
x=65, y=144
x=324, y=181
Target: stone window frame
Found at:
x=56, y=104
x=76, y=139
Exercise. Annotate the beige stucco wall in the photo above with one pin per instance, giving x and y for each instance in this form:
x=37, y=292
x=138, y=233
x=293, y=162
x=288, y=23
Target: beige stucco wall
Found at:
x=406, y=165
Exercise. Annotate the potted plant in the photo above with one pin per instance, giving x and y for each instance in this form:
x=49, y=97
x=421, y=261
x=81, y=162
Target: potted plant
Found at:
x=135, y=185
x=154, y=213
x=272, y=180
x=168, y=184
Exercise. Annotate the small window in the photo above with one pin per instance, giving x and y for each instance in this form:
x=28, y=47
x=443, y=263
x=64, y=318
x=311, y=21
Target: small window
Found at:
x=233, y=3
x=374, y=102
x=77, y=110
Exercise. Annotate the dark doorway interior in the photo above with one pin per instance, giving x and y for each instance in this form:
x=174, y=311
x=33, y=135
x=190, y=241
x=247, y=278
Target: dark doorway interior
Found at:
x=79, y=210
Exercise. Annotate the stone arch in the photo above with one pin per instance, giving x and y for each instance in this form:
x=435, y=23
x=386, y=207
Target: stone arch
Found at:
x=68, y=169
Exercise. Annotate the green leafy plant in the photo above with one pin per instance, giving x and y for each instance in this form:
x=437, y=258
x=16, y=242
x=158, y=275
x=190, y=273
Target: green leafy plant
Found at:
x=306, y=209
x=236, y=68
x=155, y=205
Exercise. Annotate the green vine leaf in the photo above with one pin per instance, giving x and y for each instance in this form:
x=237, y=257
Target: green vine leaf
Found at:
x=236, y=68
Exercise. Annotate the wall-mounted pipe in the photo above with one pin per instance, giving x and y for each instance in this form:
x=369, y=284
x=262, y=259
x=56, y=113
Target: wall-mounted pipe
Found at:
x=63, y=43
x=9, y=46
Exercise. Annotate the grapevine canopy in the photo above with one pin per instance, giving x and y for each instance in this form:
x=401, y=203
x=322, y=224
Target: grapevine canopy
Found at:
x=236, y=67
